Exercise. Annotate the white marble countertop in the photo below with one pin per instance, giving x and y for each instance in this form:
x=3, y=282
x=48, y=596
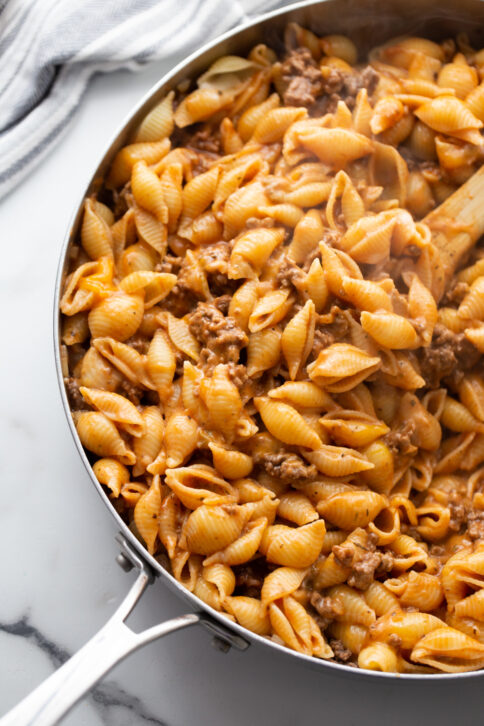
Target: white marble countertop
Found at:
x=59, y=579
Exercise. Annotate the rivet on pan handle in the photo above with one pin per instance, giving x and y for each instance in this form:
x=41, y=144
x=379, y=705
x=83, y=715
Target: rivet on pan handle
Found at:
x=60, y=692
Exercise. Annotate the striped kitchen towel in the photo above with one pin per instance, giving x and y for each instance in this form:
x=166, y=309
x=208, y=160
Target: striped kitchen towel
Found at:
x=50, y=49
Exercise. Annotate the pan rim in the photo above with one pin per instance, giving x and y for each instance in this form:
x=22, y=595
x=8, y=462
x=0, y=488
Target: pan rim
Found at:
x=196, y=603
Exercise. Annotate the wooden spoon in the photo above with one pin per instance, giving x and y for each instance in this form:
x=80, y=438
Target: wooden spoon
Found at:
x=457, y=223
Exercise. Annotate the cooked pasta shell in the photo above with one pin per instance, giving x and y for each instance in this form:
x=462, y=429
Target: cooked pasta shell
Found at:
x=339, y=46
x=231, y=464
x=286, y=424
x=316, y=286
x=158, y=123
x=367, y=295
x=462, y=570
x=352, y=636
x=472, y=306
x=209, y=529
x=132, y=491
x=380, y=478
x=304, y=394
x=297, y=339
x=244, y=548
x=354, y=432
x=348, y=510
x=387, y=112
x=407, y=552
x=281, y=582
x=115, y=407
x=251, y=117
x=223, y=401
x=340, y=367
x=274, y=124
x=337, y=265
x=335, y=147
x=378, y=657
x=252, y=250
x=390, y=330
x=186, y=569
x=199, y=192
x=96, y=372
x=409, y=626
x=96, y=237
x=354, y=607
x=476, y=337
x=449, y=650
x=266, y=508
x=137, y=257
x=270, y=310
x=263, y=351
x=148, y=191
x=294, y=546
x=471, y=394
x=338, y=460
x=111, y=473
x=221, y=576
x=456, y=417
x=471, y=607
x=250, y=613
x=199, y=106
x=417, y=589
x=450, y=115
x=297, y=508
x=459, y=76
x=117, y=316
x=168, y=519
x=125, y=359
x=198, y=484
x=151, y=230
x=100, y=435
x=126, y=158
x=242, y=204
x=307, y=233
x=161, y=363
x=242, y=303
x=156, y=285
x=380, y=599
x=181, y=436
x=181, y=337
x=146, y=513
x=75, y=329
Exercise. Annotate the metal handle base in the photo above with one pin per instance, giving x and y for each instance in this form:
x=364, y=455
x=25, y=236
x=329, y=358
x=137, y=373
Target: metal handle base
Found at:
x=48, y=703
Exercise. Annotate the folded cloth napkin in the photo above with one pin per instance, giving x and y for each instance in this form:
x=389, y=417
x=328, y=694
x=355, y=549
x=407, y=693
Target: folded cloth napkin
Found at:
x=51, y=48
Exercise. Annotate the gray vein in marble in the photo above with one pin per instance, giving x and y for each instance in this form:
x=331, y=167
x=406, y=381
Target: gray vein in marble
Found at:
x=103, y=697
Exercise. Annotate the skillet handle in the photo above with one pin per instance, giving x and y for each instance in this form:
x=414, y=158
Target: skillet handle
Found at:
x=50, y=701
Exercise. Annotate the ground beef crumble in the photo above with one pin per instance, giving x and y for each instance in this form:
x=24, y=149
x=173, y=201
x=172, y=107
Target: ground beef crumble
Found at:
x=328, y=608
x=455, y=293
x=74, y=395
x=475, y=524
x=139, y=343
x=303, y=78
x=286, y=466
x=289, y=275
x=364, y=564
x=399, y=441
x=131, y=391
x=220, y=336
x=305, y=82
x=341, y=654
x=449, y=354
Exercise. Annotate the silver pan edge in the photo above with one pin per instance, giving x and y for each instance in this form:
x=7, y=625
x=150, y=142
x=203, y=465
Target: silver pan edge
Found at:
x=368, y=24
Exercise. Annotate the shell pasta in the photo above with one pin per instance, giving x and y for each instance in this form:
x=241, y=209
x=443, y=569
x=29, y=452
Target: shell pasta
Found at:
x=278, y=390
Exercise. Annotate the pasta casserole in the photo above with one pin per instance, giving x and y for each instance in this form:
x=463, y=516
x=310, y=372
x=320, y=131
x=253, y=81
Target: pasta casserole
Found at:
x=277, y=374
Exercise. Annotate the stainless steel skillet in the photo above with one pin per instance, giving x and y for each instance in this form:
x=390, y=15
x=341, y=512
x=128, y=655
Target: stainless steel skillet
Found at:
x=368, y=22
